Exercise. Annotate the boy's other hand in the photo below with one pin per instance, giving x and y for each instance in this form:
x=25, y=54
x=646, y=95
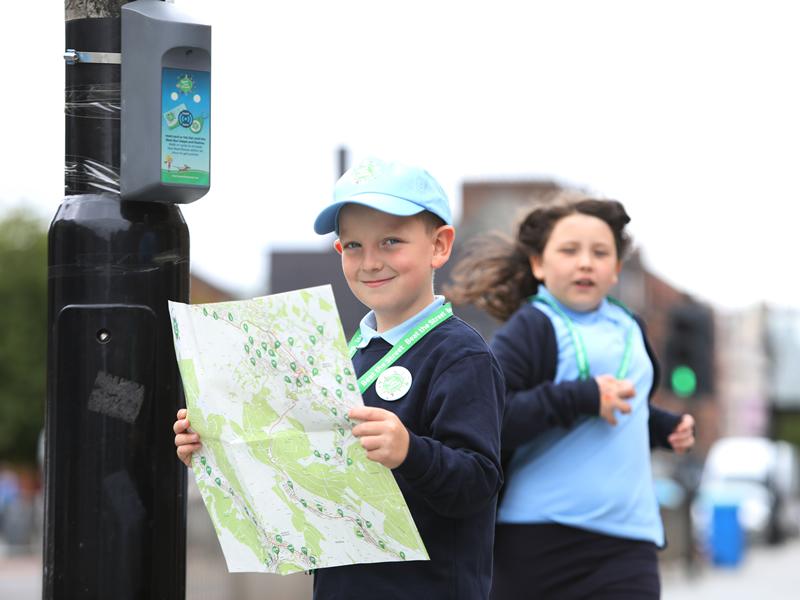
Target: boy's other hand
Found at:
x=382, y=435
x=613, y=393
x=186, y=441
x=682, y=439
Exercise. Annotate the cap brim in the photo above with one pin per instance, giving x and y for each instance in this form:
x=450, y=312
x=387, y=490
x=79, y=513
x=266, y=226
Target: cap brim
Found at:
x=326, y=221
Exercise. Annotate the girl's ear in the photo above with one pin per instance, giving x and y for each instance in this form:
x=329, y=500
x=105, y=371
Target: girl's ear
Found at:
x=617, y=271
x=536, y=267
x=443, y=239
x=337, y=245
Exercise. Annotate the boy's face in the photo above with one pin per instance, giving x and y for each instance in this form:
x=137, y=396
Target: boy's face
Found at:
x=388, y=261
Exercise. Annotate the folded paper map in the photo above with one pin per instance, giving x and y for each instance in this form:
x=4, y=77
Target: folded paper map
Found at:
x=268, y=385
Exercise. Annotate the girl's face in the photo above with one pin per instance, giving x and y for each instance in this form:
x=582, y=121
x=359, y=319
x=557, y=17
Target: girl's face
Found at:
x=579, y=264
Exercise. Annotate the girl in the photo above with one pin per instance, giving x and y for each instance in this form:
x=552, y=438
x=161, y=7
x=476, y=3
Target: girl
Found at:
x=578, y=517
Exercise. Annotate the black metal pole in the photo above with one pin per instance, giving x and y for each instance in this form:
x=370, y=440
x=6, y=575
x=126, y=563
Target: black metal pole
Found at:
x=115, y=494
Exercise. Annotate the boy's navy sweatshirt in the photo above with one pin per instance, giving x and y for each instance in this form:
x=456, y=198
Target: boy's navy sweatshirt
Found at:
x=451, y=476
x=526, y=347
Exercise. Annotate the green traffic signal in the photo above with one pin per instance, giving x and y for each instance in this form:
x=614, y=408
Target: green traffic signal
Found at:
x=683, y=380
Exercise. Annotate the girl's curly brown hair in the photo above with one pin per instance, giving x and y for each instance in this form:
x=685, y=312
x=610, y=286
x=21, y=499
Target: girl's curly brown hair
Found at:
x=495, y=273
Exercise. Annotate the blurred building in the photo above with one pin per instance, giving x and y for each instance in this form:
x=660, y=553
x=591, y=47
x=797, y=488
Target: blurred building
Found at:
x=202, y=291
x=497, y=206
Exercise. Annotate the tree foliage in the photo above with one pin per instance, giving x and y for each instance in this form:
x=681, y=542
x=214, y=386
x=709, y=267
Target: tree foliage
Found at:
x=23, y=335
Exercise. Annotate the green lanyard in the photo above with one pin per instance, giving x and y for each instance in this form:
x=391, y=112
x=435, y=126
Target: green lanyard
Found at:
x=580, y=348
x=400, y=348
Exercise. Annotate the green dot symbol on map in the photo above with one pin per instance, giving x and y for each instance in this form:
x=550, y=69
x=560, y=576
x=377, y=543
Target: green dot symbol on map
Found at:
x=247, y=348
x=338, y=378
x=313, y=339
x=218, y=481
x=208, y=470
x=341, y=431
x=258, y=353
x=327, y=456
x=347, y=371
x=271, y=351
x=304, y=550
x=245, y=327
x=205, y=312
x=274, y=364
x=215, y=315
x=277, y=343
x=315, y=371
x=334, y=411
x=349, y=461
x=299, y=383
x=230, y=316
x=311, y=360
x=278, y=538
x=287, y=379
x=293, y=366
x=351, y=387
x=402, y=555
x=306, y=379
x=320, y=328
x=290, y=547
x=291, y=341
x=202, y=460
x=250, y=339
x=324, y=391
x=340, y=511
x=275, y=549
x=339, y=393
x=316, y=453
x=339, y=450
x=252, y=361
x=381, y=544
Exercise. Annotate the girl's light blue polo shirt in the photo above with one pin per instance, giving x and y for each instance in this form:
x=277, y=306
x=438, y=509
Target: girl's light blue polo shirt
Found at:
x=593, y=475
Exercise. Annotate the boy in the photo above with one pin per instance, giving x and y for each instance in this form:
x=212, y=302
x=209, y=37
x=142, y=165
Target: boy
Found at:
x=433, y=415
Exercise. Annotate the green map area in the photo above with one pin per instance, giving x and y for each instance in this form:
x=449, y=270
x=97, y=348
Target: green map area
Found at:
x=268, y=386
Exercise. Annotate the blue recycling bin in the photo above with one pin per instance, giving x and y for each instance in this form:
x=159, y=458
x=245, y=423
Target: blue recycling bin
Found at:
x=727, y=537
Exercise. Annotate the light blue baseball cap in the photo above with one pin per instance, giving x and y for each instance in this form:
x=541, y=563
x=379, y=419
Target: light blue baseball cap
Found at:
x=389, y=187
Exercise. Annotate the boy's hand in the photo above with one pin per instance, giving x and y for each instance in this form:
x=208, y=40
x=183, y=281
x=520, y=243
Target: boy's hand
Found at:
x=382, y=434
x=682, y=439
x=187, y=442
x=613, y=392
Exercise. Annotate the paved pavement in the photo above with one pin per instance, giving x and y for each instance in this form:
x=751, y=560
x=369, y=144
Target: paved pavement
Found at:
x=766, y=572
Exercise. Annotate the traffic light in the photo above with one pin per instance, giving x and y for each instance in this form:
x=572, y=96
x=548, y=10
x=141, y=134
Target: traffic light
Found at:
x=689, y=351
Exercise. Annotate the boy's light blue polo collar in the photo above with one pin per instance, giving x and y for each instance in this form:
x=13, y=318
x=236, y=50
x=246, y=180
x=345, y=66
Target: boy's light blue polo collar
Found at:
x=369, y=325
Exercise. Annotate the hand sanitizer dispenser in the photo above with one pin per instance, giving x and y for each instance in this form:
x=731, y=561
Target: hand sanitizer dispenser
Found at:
x=165, y=133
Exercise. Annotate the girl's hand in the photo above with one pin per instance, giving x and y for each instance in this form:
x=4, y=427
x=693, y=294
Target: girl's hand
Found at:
x=613, y=392
x=682, y=439
x=187, y=441
x=382, y=435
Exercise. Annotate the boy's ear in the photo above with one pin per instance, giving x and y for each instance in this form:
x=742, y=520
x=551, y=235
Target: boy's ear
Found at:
x=337, y=245
x=443, y=239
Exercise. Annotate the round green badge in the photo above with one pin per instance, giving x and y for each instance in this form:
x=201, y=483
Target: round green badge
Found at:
x=393, y=383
